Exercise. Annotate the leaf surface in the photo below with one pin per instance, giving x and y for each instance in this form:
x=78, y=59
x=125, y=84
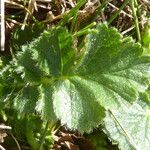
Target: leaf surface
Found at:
x=77, y=106
x=45, y=103
x=111, y=71
x=115, y=65
x=25, y=100
x=129, y=126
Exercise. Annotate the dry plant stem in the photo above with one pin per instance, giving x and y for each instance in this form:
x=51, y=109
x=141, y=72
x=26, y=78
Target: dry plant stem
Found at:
x=8, y=25
x=43, y=6
x=2, y=25
x=102, y=13
x=31, y=8
x=18, y=146
x=128, y=30
x=3, y=127
x=55, y=18
x=132, y=27
x=14, y=21
x=146, y=2
x=46, y=1
x=14, y=3
x=123, y=12
x=117, y=13
x=2, y=148
x=18, y=5
x=134, y=12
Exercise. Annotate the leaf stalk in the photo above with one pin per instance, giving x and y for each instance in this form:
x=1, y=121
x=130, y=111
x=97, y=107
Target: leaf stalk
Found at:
x=43, y=136
x=134, y=13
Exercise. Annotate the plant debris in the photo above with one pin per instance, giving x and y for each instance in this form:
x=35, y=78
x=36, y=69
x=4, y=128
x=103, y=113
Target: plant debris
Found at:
x=69, y=140
x=3, y=134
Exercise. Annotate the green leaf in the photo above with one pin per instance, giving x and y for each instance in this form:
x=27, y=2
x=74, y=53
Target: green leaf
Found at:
x=52, y=52
x=77, y=106
x=9, y=80
x=146, y=38
x=129, y=125
x=30, y=71
x=21, y=37
x=25, y=101
x=113, y=67
x=45, y=103
x=111, y=71
x=146, y=34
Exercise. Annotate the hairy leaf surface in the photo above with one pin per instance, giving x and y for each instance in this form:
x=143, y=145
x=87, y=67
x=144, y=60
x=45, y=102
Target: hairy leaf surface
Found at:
x=112, y=70
x=129, y=125
x=25, y=100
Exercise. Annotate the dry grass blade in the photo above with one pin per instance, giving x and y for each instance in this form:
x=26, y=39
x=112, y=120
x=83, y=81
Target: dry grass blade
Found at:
x=11, y=4
x=31, y=6
x=2, y=148
x=123, y=12
x=47, y=1
x=2, y=25
x=2, y=136
x=146, y=2
x=3, y=127
x=14, y=22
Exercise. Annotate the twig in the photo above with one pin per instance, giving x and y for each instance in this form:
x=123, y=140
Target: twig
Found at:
x=14, y=21
x=31, y=7
x=14, y=3
x=128, y=30
x=54, y=18
x=3, y=127
x=132, y=27
x=43, y=6
x=2, y=7
x=18, y=146
x=123, y=12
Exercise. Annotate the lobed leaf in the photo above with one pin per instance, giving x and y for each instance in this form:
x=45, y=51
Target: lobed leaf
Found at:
x=111, y=72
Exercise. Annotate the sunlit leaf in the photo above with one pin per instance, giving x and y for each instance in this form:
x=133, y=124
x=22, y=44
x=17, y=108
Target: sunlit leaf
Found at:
x=111, y=71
